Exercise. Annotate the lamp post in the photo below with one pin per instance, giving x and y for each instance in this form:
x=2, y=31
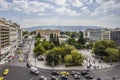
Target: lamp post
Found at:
x=35, y=60
x=53, y=63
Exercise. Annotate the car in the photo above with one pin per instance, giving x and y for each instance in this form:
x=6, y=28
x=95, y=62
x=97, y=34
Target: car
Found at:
x=64, y=73
x=63, y=77
x=75, y=72
x=40, y=58
x=54, y=78
x=55, y=73
x=88, y=77
x=6, y=71
x=20, y=59
x=76, y=76
x=42, y=78
x=1, y=78
x=84, y=72
x=34, y=70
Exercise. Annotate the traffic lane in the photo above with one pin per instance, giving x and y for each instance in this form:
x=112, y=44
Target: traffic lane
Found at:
x=22, y=73
x=107, y=73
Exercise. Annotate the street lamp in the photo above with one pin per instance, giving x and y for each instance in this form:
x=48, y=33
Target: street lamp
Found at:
x=35, y=60
x=53, y=63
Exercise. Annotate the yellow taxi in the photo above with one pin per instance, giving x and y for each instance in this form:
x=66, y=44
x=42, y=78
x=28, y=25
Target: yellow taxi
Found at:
x=1, y=78
x=5, y=71
x=64, y=73
x=20, y=51
x=20, y=59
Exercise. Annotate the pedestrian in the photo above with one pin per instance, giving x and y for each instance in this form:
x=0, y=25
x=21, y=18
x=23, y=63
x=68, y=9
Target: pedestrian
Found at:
x=113, y=78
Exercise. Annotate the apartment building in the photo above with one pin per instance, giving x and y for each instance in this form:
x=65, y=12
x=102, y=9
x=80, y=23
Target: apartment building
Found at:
x=115, y=35
x=105, y=34
x=92, y=35
x=9, y=37
x=4, y=39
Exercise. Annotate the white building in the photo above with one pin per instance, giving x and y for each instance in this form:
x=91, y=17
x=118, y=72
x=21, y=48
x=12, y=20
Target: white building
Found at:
x=92, y=35
x=10, y=36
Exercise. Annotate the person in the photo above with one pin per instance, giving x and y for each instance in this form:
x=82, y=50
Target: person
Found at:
x=113, y=78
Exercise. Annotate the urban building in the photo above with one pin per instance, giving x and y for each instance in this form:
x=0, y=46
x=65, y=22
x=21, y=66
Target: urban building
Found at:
x=115, y=35
x=4, y=38
x=46, y=33
x=105, y=34
x=92, y=35
x=9, y=38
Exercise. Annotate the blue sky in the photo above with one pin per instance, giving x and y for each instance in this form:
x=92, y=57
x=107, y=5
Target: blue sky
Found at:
x=28, y=13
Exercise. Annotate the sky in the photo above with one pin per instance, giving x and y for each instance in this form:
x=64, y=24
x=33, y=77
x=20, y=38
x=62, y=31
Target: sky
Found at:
x=28, y=13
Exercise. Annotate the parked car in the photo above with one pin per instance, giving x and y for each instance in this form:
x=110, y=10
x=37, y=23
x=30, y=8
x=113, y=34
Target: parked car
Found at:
x=76, y=76
x=40, y=58
x=75, y=72
x=54, y=78
x=84, y=72
x=1, y=78
x=6, y=71
x=55, y=73
x=64, y=73
x=20, y=59
x=63, y=77
x=88, y=77
x=42, y=78
x=34, y=70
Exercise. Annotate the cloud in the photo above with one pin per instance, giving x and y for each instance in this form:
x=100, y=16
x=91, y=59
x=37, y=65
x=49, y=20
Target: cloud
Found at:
x=89, y=1
x=66, y=11
x=4, y=5
x=85, y=10
x=107, y=7
x=59, y=2
x=76, y=3
x=30, y=6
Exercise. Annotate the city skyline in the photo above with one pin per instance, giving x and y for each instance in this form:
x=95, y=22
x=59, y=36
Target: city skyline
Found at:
x=28, y=13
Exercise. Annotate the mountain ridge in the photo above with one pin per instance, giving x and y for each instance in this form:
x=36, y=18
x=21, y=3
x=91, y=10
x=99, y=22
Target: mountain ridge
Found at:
x=62, y=28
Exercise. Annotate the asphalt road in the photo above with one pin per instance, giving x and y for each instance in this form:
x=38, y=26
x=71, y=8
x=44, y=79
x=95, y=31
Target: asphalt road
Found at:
x=23, y=73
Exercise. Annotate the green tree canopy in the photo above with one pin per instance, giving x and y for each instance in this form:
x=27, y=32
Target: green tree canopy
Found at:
x=68, y=58
x=39, y=50
x=113, y=54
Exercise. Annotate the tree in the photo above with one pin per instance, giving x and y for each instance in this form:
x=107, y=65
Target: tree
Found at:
x=57, y=40
x=51, y=38
x=47, y=45
x=102, y=49
x=38, y=35
x=113, y=54
x=71, y=41
x=77, y=58
x=68, y=58
x=39, y=50
x=37, y=41
x=81, y=40
x=25, y=33
x=52, y=57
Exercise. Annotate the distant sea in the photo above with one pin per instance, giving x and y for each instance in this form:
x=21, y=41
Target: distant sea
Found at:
x=63, y=28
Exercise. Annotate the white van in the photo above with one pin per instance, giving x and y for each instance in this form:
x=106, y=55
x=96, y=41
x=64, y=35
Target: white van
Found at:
x=34, y=70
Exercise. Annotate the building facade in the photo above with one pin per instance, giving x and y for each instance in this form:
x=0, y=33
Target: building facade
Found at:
x=105, y=35
x=46, y=33
x=115, y=35
x=92, y=35
x=8, y=38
